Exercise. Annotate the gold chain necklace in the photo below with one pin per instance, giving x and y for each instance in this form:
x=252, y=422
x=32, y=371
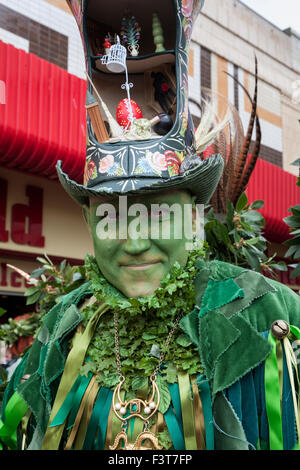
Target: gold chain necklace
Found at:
x=143, y=409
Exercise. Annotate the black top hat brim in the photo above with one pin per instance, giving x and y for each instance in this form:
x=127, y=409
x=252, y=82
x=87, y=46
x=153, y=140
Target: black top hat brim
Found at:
x=201, y=181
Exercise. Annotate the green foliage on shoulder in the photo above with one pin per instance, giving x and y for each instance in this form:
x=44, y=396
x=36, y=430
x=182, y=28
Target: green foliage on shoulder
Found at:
x=237, y=237
x=293, y=221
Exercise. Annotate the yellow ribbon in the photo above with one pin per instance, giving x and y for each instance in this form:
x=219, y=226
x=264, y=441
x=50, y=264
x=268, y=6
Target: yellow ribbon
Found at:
x=187, y=409
x=73, y=363
x=199, y=417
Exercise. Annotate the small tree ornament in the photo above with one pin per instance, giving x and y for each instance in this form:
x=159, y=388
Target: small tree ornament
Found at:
x=130, y=34
x=158, y=35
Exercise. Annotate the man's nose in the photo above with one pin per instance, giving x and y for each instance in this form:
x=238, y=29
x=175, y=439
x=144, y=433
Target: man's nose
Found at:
x=136, y=246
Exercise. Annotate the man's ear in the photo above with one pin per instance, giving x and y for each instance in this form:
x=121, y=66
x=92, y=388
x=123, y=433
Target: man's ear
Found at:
x=86, y=214
x=194, y=214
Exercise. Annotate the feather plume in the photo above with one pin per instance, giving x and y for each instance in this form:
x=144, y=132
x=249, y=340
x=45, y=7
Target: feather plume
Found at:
x=241, y=185
x=240, y=165
x=209, y=127
x=255, y=154
x=226, y=136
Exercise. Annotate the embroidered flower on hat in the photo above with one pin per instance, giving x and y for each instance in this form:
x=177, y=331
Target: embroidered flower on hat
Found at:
x=157, y=161
x=174, y=160
x=106, y=163
x=90, y=171
x=110, y=166
x=152, y=162
x=187, y=7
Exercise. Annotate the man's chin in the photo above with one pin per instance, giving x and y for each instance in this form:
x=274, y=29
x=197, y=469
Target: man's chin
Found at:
x=139, y=289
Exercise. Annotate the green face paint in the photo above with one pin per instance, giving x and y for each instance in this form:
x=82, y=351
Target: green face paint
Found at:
x=155, y=239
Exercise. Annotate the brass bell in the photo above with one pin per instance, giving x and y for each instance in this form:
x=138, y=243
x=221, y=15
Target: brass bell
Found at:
x=280, y=329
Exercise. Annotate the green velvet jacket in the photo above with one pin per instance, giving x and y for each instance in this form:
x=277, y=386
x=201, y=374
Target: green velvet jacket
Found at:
x=233, y=314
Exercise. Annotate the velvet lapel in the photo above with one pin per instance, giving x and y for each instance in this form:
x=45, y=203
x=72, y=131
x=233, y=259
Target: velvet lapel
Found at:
x=228, y=344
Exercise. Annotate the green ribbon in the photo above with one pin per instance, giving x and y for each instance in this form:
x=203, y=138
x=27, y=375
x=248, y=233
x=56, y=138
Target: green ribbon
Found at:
x=187, y=410
x=174, y=429
x=103, y=420
x=84, y=383
x=73, y=363
x=15, y=410
x=295, y=331
x=273, y=396
x=205, y=396
x=99, y=415
x=67, y=405
x=175, y=396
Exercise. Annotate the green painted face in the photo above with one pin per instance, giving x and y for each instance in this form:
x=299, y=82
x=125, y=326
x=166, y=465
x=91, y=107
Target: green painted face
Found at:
x=154, y=239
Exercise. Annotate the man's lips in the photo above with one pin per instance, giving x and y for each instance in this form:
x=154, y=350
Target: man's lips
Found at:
x=141, y=266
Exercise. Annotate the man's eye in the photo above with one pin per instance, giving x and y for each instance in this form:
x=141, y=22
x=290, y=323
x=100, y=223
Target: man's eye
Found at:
x=110, y=216
x=114, y=216
x=160, y=214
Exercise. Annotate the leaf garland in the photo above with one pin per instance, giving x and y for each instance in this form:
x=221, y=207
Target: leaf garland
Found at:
x=143, y=327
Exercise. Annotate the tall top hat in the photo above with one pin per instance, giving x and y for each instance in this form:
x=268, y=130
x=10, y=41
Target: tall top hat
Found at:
x=133, y=156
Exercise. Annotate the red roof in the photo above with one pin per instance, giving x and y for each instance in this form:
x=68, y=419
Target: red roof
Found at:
x=279, y=191
x=42, y=115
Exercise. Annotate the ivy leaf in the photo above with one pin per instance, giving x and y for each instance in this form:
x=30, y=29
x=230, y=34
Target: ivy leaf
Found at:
x=111, y=380
x=147, y=336
x=164, y=439
x=88, y=367
x=183, y=341
x=171, y=373
x=165, y=397
x=139, y=382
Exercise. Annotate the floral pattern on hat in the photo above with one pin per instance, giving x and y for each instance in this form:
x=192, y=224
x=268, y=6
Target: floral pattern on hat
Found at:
x=90, y=171
x=108, y=165
x=158, y=163
x=152, y=163
x=174, y=160
x=187, y=7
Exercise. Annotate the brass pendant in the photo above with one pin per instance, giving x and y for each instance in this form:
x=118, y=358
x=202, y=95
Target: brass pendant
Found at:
x=137, y=445
x=143, y=409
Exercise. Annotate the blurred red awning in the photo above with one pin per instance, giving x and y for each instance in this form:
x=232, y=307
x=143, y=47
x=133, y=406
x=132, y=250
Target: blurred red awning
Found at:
x=278, y=189
x=42, y=115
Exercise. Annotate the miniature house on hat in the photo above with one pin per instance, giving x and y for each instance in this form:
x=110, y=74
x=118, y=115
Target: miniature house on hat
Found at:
x=133, y=159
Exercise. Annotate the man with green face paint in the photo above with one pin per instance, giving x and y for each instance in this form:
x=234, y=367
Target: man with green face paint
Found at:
x=136, y=264
x=159, y=349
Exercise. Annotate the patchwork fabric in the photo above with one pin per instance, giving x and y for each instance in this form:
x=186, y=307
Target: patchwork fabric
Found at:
x=232, y=339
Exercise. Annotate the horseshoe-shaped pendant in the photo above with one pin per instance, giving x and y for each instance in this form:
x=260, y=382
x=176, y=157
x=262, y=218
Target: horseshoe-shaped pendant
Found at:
x=137, y=445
